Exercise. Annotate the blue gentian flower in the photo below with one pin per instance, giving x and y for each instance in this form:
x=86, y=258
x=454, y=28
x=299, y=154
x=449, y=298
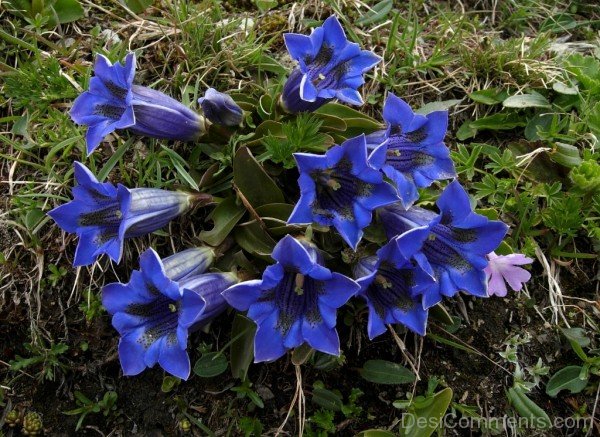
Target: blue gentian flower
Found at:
x=294, y=302
x=411, y=151
x=113, y=102
x=220, y=108
x=153, y=313
x=341, y=189
x=329, y=66
x=103, y=215
x=392, y=284
x=455, y=250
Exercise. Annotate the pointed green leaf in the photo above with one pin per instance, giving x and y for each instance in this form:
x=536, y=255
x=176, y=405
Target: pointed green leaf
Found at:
x=225, y=216
x=242, y=348
x=253, y=181
x=528, y=409
x=210, y=365
x=533, y=100
x=386, y=372
x=430, y=413
x=566, y=378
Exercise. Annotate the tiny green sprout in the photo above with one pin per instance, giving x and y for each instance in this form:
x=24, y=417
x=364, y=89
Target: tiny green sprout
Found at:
x=56, y=274
x=12, y=418
x=185, y=425
x=32, y=424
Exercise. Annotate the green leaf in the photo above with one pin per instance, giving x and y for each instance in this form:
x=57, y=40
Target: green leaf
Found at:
x=253, y=238
x=241, y=350
x=68, y=11
x=533, y=100
x=253, y=182
x=440, y=313
x=528, y=409
x=566, y=378
x=563, y=88
x=265, y=5
x=429, y=413
x=375, y=433
x=490, y=96
x=577, y=335
x=210, y=365
x=137, y=6
x=566, y=155
x=386, y=372
x=301, y=354
x=225, y=216
x=377, y=13
x=327, y=399
x=169, y=383
x=500, y=121
x=346, y=113
x=442, y=105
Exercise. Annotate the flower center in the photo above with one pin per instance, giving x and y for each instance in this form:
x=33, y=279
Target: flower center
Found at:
x=391, y=289
x=159, y=317
x=337, y=189
x=296, y=297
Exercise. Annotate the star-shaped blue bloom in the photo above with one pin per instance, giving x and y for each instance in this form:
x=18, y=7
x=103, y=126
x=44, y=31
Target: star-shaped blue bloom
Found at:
x=294, y=302
x=156, y=309
x=411, y=151
x=104, y=215
x=392, y=284
x=329, y=66
x=113, y=102
x=341, y=189
x=455, y=250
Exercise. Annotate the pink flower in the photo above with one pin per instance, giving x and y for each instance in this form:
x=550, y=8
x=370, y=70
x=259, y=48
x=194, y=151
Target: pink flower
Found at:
x=504, y=268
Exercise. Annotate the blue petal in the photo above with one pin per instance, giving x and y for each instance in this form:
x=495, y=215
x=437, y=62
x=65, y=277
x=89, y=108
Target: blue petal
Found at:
x=334, y=33
x=308, y=91
x=96, y=133
x=85, y=254
x=321, y=337
x=117, y=297
x=268, y=342
x=454, y=203
x=381, y=194
x=362, y=63
x=375, y=325
x=350, y=96
x=308, y=162
x=67, y=216
x=244, y=294
x=192, y=307
x=378, y=155
x=299, y=46
x=174, y=359
x=291, y=253
x=349, y=231
x=260, y=311
x=397, y=112
x=131, y=355
x=293, y=338
x=415, y=319
x=302, y=213
x=338, y=290
x=407, y=190
x=437, y=124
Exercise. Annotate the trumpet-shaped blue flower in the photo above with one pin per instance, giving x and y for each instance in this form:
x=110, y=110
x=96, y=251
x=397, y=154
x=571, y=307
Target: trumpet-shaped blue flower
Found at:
x=341, y=189
x=411, y=151
x=113, y=102
x=392, y=284
x=220, y=108
x=329, y=66
x=103, y=215
x=294, y=302
x=455, y=250
x=153, y=312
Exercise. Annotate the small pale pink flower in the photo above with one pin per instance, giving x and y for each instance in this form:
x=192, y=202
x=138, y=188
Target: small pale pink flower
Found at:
x=503, y=268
